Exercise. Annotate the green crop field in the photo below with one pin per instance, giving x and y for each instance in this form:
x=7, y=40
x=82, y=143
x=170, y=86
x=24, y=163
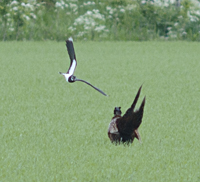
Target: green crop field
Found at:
x=55, y=131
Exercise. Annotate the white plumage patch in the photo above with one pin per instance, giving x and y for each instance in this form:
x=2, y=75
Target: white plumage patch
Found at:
x=72, y=68
x=70, y=39
x=113, y=127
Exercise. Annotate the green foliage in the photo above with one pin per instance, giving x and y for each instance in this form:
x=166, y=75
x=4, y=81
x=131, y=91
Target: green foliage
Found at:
x=99, y=20
x=55, y=131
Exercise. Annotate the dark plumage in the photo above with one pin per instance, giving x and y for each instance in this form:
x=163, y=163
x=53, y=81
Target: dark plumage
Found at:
x=125, y=128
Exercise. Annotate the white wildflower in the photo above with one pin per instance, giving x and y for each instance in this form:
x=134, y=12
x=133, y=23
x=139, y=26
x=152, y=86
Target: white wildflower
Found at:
x=11, y=29
x=89, y=12
x=86, y=27
x=79, y=20
x=100, y=28
x=72, y=5
x=197, y=12
x=131, y=7
x=80, y=34
x=111, y=11
x=176, y=24
x=122, y=10
x=14, y=3
x=169, y=28
x=89, y=3
x=33, y=15
x=26, y=17
x=99, y=16
x=108, y=8
x=192, y=17
x=72, y=28
x=62, y=2
x=184, y=33
x=23, y=4
x=57, y=4
x=28, y=5
x=74, y=10
x=93, y=23
x=95, y=11
x=15, y=8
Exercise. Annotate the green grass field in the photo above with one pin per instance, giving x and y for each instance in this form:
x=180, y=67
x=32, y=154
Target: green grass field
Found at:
x=55, y=131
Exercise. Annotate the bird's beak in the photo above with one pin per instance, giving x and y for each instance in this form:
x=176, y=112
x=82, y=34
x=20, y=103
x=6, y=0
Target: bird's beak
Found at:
x=60, y=73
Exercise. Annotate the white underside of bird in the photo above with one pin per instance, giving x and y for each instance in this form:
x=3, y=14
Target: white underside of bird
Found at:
x=69, y=76
x=71, y=71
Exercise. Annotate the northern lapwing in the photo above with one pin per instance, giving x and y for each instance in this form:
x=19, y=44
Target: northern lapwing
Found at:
x=125, y=128
x=69, y=76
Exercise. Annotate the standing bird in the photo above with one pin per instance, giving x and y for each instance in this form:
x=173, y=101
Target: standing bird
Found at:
x=125, y=128
x=69, y=75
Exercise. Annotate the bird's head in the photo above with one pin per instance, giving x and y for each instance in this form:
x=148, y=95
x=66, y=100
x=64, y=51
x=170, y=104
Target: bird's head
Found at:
x=72, y=79
x=117, y=111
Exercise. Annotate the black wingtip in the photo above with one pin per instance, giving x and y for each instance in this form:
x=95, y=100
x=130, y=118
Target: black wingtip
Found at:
x=105, y=94
x=92, y=86
x=70, y=49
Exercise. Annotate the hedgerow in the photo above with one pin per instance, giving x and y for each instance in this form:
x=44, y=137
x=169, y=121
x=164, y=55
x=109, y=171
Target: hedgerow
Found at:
x=100, y=20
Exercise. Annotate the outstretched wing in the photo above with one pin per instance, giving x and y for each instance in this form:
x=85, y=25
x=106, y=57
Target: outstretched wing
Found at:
x=131, y=120
x=72, y=56
x=91, y=86
x=127, y=124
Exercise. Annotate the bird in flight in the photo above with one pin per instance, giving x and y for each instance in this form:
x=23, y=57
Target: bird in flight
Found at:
x=125, y=128
x=69, y=76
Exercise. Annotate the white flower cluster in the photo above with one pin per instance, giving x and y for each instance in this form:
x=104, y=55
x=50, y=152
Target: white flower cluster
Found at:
x=88, y=3
x=159, y=2
x=67, y=4
x=194, y=15
x=24, y=11
x=116, y=10
x=90, y=21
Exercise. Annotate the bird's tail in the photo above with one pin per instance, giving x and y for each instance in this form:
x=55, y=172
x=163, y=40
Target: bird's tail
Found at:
x=136, y=98
x=70, y=49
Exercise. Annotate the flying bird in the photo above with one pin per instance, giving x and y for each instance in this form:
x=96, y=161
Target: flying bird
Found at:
x=125, y=128
x=69, y=76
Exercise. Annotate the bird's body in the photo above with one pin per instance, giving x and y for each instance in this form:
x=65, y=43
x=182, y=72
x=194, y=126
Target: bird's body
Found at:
x=69, y=76
x=125, y=128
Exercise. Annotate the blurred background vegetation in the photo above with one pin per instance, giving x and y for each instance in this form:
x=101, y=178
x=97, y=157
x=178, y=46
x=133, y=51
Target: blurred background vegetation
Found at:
x=137, y=20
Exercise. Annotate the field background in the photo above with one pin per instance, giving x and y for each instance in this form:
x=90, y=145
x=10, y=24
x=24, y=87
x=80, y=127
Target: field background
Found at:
x=55, y=131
